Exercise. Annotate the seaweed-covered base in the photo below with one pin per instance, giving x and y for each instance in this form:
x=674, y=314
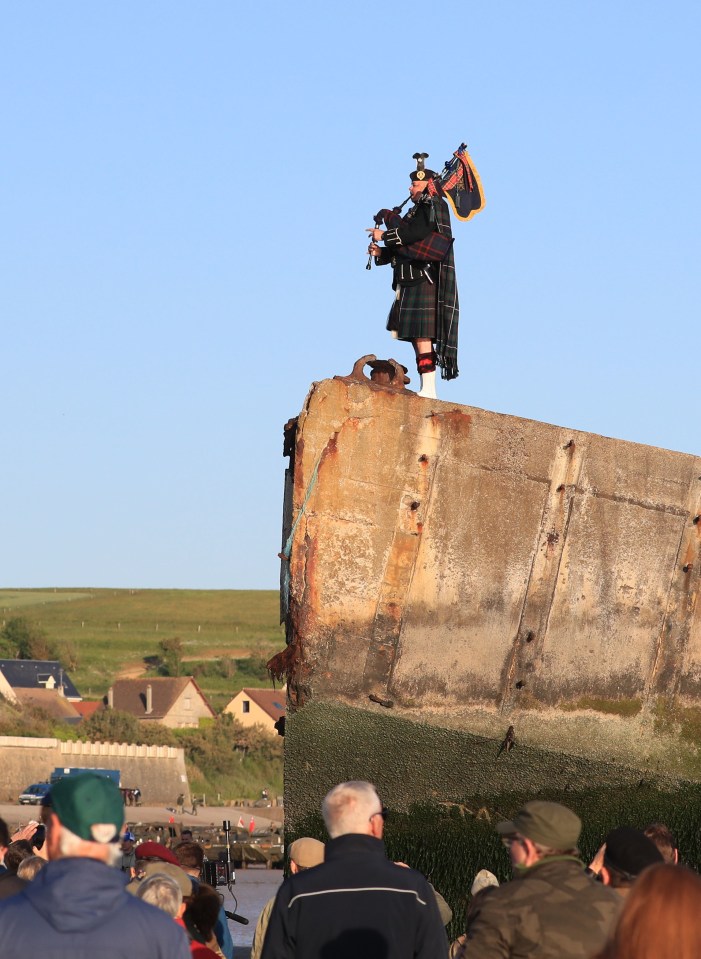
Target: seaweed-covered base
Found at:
x=446, y=789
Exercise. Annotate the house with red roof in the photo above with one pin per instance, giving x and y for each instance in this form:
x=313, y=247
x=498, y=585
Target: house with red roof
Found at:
x=258, y=707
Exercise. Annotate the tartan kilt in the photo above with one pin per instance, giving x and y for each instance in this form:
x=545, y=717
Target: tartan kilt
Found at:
x=413, y=313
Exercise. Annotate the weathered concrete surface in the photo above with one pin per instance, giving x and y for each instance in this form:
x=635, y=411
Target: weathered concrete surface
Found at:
x=479, y=570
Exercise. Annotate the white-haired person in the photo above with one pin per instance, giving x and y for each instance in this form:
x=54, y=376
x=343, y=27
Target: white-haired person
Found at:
x=357, y=902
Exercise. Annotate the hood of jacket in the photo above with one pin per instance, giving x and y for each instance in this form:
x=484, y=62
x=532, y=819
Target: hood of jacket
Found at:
x=74, y=895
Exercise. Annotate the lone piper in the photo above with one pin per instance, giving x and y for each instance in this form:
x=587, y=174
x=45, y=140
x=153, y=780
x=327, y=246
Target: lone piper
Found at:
x=419, y=247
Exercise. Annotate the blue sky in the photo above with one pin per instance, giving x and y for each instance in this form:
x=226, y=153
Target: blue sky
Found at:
x=185, y=192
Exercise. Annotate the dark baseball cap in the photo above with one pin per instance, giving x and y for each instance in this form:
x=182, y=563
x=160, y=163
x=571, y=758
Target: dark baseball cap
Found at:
x=90, y=806
x=629, y=851
x=547, y=823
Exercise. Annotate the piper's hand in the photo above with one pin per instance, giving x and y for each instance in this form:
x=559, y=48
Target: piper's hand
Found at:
x=374, y=249
x=376, y=233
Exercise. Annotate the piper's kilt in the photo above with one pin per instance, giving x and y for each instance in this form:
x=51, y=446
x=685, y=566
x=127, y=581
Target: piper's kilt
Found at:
x=413, y=313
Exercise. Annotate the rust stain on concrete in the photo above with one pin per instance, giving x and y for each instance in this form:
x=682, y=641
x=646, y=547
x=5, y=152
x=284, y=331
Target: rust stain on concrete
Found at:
x=450, y=558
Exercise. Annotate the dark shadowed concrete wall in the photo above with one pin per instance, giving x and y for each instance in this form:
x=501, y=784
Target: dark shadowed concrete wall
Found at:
x=479, y=571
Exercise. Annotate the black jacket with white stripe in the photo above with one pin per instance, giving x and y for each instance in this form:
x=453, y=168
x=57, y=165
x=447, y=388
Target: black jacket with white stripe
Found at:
x=355, y=905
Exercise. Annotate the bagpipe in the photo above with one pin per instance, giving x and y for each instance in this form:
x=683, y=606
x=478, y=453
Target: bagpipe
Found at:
x=458, y=182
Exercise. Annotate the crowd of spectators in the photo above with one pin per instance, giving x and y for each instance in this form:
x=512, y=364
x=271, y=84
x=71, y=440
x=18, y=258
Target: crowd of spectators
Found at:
x=79, y=885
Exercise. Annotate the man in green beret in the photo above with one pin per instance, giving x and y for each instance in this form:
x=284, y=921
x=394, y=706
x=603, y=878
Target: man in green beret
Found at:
x=552, y=909
x=77, y=906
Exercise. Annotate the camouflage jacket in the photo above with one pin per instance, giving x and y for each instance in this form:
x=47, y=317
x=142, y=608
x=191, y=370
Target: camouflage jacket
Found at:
x=553, y=910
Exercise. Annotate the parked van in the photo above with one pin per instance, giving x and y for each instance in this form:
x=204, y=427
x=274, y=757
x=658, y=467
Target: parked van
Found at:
x=33, y=795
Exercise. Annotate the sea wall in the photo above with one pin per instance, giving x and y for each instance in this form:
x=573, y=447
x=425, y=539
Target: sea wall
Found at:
x=158, y=771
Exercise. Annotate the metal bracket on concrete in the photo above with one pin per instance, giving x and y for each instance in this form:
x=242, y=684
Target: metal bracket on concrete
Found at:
x=386, y=373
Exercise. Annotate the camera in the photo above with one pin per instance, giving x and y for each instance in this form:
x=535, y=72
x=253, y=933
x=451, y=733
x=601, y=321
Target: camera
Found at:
x=220, y=871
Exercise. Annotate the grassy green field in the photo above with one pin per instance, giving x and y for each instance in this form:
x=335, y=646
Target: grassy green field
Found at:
x=113, y=630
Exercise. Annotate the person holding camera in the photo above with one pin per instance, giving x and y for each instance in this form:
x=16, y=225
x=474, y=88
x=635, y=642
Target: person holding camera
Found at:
x=190, y=855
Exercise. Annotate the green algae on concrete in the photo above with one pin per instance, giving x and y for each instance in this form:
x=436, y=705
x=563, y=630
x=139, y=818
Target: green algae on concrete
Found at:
x=610, y=707
x=412, y=762
x=446, y=790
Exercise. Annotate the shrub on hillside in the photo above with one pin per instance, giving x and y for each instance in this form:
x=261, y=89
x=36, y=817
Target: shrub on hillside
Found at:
x=114, y=726
x=171, y=651
x=223, y=668
x=261, y=743
x=220, y=747
x=255, y=668
x=22, y=639
x=252, y=669
x=25, y=722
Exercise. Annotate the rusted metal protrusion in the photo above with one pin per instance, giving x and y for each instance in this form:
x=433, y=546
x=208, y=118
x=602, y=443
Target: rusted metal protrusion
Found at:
x=284, y=664
x=387, y=703
x=386, y=373
x=560, y=488
x=414, y=506
x=509, y=741
x=696, y=520
x=530, y=636
x=688, y=567
x=389, y=373
x=423, y=458
x=289, y=432
x=568, y=446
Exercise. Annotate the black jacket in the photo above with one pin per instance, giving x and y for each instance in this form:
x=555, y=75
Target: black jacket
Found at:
x=355, y=905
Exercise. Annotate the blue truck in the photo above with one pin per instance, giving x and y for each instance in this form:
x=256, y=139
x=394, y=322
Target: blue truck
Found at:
x=61, y=772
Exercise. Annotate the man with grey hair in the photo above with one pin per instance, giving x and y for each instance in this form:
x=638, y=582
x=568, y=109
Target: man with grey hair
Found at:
x=77, y=906
x=163, y=892
x=357, y=902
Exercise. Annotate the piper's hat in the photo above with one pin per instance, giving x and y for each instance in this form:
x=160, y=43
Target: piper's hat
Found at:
x=307, y=852
x=421, y=173
x=547, y=823
x=89, y=806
